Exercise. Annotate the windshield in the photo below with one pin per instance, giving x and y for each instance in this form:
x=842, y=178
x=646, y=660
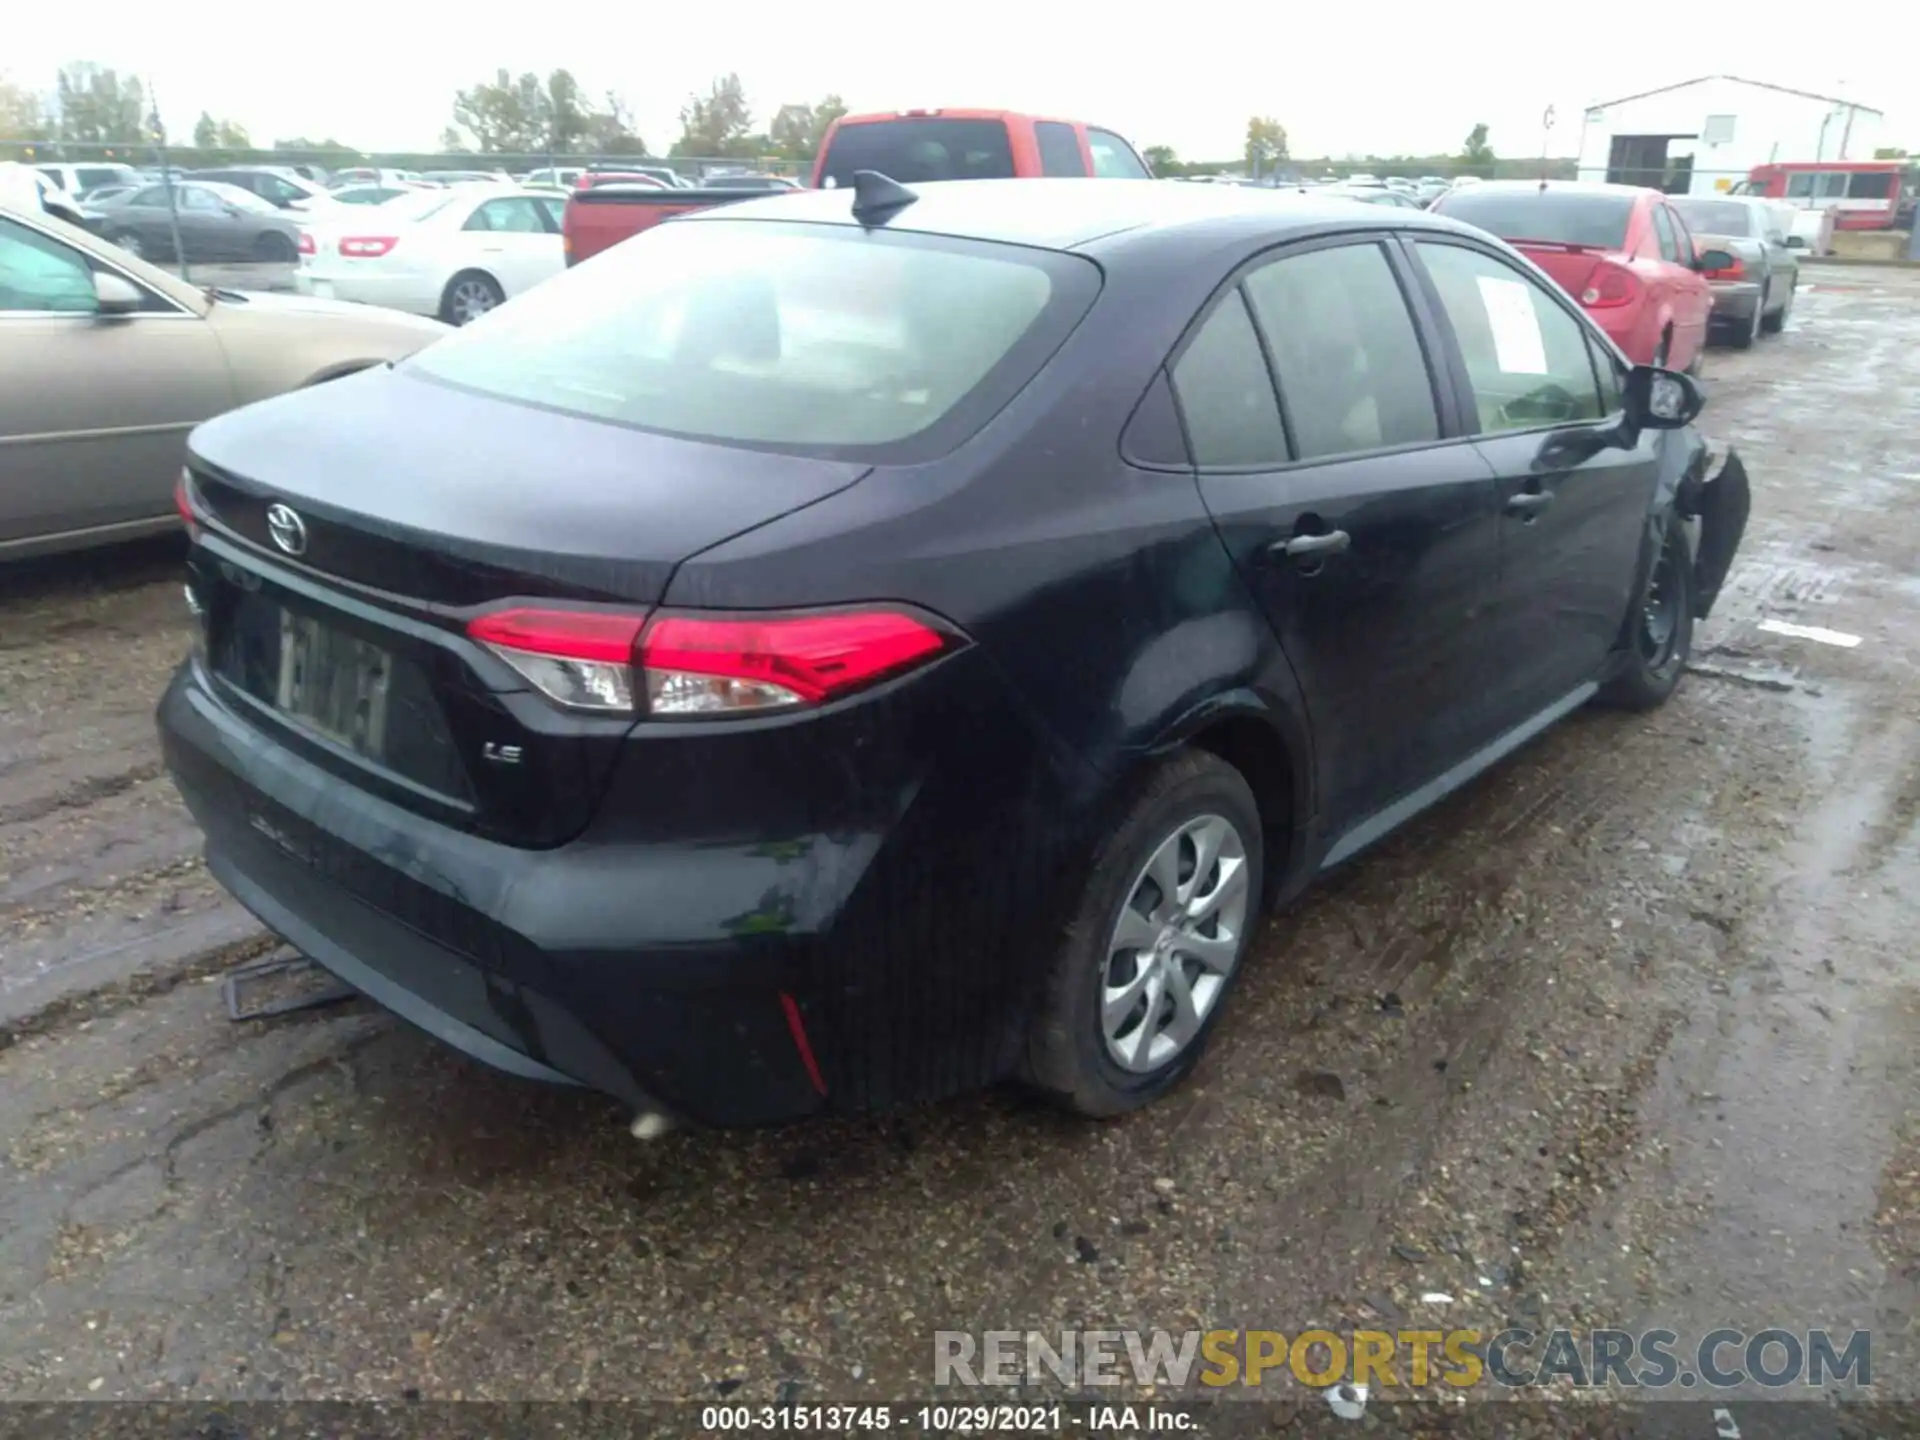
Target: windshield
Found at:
x=1715, y=217
x=822, y=339
x=917, y=150
x=1561, y=217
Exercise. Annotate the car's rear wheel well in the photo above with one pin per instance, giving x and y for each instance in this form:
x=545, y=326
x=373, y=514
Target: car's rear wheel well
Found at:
x=1258, y=752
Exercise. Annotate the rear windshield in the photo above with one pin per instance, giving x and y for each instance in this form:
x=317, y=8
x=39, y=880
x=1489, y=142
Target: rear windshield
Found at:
x=804, y=338
x=1715, y=217
x=1561, y=217
x=918, y=149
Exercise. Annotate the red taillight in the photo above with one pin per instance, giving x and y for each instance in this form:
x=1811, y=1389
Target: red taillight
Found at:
x=183, y=502
x=368, y=247
x=697, y=665
x=704, y=665
x=1609, y=285
x=1735, y=271
x=306, y=243
x=583, y=659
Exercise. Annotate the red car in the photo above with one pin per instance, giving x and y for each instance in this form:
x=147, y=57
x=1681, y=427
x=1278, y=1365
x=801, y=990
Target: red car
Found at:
x=1621, y=250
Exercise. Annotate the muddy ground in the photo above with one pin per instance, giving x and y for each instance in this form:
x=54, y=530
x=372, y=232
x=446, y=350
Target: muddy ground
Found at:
x=1624, y=1034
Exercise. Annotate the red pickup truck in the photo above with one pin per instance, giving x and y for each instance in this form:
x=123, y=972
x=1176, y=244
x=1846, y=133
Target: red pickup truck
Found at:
x=911, y=146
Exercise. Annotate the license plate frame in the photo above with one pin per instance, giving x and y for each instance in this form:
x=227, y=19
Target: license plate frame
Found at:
x=333, y=684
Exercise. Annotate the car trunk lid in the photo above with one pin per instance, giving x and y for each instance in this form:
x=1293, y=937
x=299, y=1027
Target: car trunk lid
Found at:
x=1570, y=266
x=351, y=532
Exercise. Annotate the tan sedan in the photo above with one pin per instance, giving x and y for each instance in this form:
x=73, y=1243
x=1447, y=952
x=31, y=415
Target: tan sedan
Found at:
x=107, y=362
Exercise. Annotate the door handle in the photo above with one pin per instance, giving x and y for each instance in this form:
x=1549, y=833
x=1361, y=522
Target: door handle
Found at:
x=1529, y=502
x=1310, y=547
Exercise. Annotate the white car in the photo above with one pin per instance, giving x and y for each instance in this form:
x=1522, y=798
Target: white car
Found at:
x=454, y=254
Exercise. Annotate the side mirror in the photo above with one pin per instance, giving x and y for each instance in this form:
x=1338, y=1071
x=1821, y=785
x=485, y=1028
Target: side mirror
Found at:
x=116, y=294
x=1713, y=260
x=1796, y=242
x=1659, y=399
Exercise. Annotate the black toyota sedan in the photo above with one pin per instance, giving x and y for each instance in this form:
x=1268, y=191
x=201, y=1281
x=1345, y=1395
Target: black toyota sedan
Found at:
x=844, y=648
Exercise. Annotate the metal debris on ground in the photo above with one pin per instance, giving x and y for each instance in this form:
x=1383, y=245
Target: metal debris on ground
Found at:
x=288, y=967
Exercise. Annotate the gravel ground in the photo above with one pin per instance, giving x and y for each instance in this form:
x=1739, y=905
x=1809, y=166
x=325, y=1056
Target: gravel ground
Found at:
x=1622, y=1035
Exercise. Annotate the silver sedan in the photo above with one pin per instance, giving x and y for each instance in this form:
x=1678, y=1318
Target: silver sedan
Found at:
x=107, y=362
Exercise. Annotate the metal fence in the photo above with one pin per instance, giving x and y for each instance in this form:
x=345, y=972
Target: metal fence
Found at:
x=319, y=158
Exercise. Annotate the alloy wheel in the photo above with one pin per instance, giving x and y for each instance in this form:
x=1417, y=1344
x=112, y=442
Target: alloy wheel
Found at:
x=470, y=300
x=1660, y=613
x=1175, y=944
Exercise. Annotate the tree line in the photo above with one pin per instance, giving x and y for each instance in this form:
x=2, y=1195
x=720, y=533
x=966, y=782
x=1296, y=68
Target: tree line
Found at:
x=527, y=115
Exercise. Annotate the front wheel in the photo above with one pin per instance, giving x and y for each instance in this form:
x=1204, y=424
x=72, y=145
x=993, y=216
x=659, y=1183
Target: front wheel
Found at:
x=1662, y=630
x=1146, y=965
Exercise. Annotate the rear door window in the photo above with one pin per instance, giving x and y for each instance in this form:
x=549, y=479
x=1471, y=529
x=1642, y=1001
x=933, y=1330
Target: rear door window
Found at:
x=518, y=214
x=917, y=149
x=1113, y=158
x=1800, y=185
x=1226, y=395
x=1059, y=148
x=1870, y=185
x=1345, y=351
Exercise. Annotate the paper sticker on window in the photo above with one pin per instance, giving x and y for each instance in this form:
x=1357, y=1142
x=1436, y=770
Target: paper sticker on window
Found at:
x=1518, y=345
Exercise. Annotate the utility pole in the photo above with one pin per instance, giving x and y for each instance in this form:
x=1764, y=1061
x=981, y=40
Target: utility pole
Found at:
x=158, y=133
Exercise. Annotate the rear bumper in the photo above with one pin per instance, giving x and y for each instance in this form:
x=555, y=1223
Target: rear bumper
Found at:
x=726, y=981
x=461, y=937
x=1735, y=301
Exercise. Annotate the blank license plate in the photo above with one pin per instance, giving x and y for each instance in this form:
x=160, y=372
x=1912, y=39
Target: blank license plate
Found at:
x=334, y=684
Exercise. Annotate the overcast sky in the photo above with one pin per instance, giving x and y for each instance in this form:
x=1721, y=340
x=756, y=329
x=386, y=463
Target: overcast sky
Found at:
x=1400, y=78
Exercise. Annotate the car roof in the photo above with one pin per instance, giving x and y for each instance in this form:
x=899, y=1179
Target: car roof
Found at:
x=1582, y=187
x=1072, y=214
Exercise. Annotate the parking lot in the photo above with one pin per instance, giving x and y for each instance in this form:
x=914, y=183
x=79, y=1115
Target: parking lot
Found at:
x=1624, y=1035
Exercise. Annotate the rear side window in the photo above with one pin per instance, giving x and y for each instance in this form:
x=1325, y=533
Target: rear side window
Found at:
x=917, y=149
x=1663, y=233
x=1226, y=395
x=1348, y=357
x=1872, y=185
x=1113, y=158
x=1059, y=149
x=1562, y=217
x=1717, y=217
x=91, y=175
x=811, y=338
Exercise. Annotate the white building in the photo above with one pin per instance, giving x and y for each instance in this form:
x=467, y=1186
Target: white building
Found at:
x=1702, y=135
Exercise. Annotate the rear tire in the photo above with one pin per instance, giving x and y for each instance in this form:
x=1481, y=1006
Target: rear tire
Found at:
x=1746, y=333
x=273, y=248
x=1776, y=322
x=1142, y=976
x=468, y=296
x=1662, y=630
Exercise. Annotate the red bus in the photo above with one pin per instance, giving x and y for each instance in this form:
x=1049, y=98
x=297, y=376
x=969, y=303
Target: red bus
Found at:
x=1862, y=194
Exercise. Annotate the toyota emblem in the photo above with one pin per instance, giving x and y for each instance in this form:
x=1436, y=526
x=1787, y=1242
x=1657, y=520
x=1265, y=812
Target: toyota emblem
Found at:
x=288, y=530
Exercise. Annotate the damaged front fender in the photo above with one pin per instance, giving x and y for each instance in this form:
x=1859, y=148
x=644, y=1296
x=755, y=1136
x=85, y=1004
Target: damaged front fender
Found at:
x=1721, y=504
